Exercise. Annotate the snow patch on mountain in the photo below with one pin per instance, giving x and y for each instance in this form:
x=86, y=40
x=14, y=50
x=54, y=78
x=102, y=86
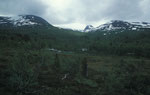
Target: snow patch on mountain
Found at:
x=21, y=21
x=88, y=28
x=141, y=24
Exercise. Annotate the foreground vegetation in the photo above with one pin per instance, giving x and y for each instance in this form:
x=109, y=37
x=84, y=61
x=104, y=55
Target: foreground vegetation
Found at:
x=108, y=65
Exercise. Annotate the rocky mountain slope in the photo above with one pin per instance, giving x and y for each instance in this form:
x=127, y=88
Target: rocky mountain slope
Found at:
x=118, y=25
x=22, y=20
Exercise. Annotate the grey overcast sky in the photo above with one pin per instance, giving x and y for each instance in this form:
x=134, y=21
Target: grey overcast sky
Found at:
x=77, y=14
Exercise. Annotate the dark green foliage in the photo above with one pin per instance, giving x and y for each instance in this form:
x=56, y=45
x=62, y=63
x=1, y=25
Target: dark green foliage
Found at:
x=22, y=77
x=127, y=78
x=124, y=43
x=120, y=42
x=28, y=66
x=84, y=68
x=56, y=65
x=70, y=64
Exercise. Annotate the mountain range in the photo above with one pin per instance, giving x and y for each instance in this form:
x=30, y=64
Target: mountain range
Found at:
x=33, y=21
x=118, y=25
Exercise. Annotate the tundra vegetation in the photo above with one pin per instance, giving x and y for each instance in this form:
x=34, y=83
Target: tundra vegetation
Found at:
x=51, y=61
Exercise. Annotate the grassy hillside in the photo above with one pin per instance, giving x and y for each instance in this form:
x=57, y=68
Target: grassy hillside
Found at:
x=120, y=42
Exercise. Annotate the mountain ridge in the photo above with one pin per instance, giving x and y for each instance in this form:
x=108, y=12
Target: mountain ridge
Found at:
x=22, y=20
x=118, y=25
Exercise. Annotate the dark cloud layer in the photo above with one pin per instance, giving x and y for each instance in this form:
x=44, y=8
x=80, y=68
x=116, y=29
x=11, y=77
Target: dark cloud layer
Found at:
x=79, y=11
x=15, y=7
x=113, y=9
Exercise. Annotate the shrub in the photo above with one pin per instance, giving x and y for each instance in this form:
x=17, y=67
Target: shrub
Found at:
x=22, y=75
